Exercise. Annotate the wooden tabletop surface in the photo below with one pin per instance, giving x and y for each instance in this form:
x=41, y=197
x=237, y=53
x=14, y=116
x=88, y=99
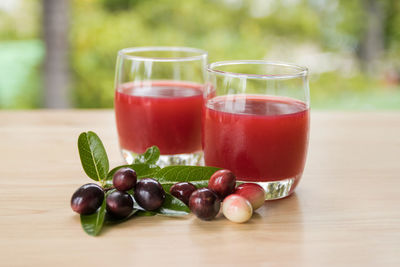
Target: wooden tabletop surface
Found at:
x=345, y=212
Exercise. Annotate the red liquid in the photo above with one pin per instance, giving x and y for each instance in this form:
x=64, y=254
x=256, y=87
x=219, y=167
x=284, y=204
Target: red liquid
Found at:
x=259, y=138
x=165, y=114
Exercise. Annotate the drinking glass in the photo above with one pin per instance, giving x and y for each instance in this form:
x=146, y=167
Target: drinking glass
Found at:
x=256, y=122
x=158, y=101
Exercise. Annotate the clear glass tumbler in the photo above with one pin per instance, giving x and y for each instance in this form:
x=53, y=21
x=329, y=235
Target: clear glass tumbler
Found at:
x=158, y=101
x=256, y=122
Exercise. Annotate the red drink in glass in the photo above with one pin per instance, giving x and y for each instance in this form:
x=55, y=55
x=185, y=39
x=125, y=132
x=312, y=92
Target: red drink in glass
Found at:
x=256, y=122
x=259, y=138
x=159, y=100
x=164, y=113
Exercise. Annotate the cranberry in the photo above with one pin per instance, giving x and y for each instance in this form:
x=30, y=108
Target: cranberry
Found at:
x=87, y=199
x=237, y=208
x=253, y=193
x=149, y=194
x=222, y=182
x=183, y=191
x=124, y=179
x=204, y=203
x=119, y=204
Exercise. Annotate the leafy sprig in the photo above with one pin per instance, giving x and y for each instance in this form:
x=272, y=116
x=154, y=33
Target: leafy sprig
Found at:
x=93, y=156
x=95, y=163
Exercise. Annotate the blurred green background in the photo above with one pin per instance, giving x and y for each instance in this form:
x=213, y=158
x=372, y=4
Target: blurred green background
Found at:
x=62, y=53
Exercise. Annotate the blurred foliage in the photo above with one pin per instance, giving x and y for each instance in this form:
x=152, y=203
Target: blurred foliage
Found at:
x=20, y=61
x=21, y=56
x=229, y=29
x=291, y=30
x=118, y=5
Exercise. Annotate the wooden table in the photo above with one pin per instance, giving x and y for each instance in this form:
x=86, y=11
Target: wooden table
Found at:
x=346, y=210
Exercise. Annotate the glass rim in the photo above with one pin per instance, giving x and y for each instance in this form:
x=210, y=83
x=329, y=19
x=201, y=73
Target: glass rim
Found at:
x=198, y=54
x=300, y=71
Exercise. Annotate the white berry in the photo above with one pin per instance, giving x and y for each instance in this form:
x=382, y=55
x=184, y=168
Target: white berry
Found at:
x=237, y=208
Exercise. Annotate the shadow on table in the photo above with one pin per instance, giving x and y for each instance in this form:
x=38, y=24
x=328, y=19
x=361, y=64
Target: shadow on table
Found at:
x=277, y=222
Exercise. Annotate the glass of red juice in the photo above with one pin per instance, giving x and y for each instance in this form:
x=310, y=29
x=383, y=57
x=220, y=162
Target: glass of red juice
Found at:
x=158, y=101
x=256, y=122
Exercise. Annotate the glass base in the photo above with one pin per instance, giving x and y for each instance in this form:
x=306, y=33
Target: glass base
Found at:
x=166, y=160
x=276, y=189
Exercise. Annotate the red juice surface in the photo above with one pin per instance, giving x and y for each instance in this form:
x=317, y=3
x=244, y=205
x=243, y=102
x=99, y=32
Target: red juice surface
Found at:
x=259, y=138
x=165, y=114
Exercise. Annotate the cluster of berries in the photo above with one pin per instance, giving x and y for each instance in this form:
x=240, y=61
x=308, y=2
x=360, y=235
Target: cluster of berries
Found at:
x=148, y=193
x=238, y=203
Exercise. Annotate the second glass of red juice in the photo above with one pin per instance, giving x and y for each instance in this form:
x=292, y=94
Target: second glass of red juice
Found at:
x=256, y=122
x=159, y=100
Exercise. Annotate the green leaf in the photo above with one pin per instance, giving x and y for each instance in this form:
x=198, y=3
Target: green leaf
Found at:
x=142, y=171
x=93, y=223
x=93, y=156
x=197, y=175
x=145, y=213
x=112, y=221
x=149, y=157
x=173, y=207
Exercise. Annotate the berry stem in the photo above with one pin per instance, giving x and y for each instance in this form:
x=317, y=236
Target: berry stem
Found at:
x=108, y=189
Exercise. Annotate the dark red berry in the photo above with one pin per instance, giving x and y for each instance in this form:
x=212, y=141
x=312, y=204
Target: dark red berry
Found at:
x=183, y=191
x=149, y=194
x=119, y=204
x=223, y=183
x=87, y=199
x=124, y=179
x=204, y=203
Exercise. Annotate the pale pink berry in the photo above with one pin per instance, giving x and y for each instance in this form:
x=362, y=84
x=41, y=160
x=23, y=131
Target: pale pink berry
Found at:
x=253, y=193
x=237, y=209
